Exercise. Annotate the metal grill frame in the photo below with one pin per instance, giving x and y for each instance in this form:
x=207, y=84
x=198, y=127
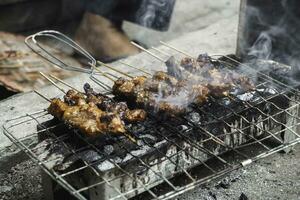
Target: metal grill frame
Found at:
x=290, y=128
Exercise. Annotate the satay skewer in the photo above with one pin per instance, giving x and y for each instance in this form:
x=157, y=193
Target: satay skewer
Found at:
x=63, y=82
x=112, y=68
x=52, y=82
x=41, y=95
x=128, y=136
x=133, y=67
x=103, y=74
x=147, y=51
x=160, y=51
x=176, y=49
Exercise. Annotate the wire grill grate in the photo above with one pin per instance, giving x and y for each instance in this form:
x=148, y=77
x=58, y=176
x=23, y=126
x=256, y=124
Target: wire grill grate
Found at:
x=225, y=141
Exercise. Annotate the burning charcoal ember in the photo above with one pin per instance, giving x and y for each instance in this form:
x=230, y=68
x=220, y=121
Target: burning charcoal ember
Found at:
x=194, y=117
x=108, y=149
x=243, y=197
x=136, y=128
x=225, y=183
x=246, y=97
x=225, y=101
x=148, y=139
x=182, y=128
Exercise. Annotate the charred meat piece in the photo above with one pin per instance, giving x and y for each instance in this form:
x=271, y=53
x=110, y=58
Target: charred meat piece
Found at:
x=126, y=88
x=190, y=64
x=170, y=109
x=190, y=81
x=88, y=118
x=199, y=94
x=91, y=98
x=175, y=70
x=139, y=80
x=219, y=83
x=135, y=115
x=152, y=92
x=74, y=98
x=88, y=89
x=163, y=76
x=113, y=122
x=197, y=65
x=57, y=108
x=104, y=103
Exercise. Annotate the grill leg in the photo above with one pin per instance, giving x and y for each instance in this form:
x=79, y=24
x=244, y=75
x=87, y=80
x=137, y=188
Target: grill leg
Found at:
x=47, y=185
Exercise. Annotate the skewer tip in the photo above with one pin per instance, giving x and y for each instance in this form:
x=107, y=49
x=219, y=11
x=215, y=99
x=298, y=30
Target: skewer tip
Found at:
x=41, y=95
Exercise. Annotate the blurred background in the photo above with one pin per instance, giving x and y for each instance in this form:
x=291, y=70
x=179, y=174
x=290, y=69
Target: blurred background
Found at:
x=107, y=32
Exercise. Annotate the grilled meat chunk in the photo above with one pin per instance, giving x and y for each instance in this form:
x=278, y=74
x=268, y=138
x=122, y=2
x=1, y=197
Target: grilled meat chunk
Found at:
x=139, y=80
x=199, y=94
x=88, y=118
x=135, y=115
x=74, y=98
x=57, y=108
x=171, y=109
x=107, y=104
x=192, y=81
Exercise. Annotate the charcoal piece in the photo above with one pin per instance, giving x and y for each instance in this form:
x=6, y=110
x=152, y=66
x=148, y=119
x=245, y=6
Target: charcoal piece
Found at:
x=225, y=183
x=182, y=128
x=194, y=117
x=137, y=129
x=212, y=195
x=243, y=197
x=148, y=139
x=108, y=149
x=88, y=89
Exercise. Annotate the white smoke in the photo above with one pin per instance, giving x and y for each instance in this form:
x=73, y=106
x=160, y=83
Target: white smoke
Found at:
x=147, y=13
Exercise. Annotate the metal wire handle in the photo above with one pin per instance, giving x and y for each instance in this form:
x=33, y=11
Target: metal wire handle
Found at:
x=33, y=43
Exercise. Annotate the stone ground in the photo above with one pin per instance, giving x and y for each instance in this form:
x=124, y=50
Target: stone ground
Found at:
x=275, y=177
x=188, y=16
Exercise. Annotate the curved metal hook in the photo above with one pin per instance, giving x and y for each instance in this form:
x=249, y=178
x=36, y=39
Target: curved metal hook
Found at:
x=33, y=43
